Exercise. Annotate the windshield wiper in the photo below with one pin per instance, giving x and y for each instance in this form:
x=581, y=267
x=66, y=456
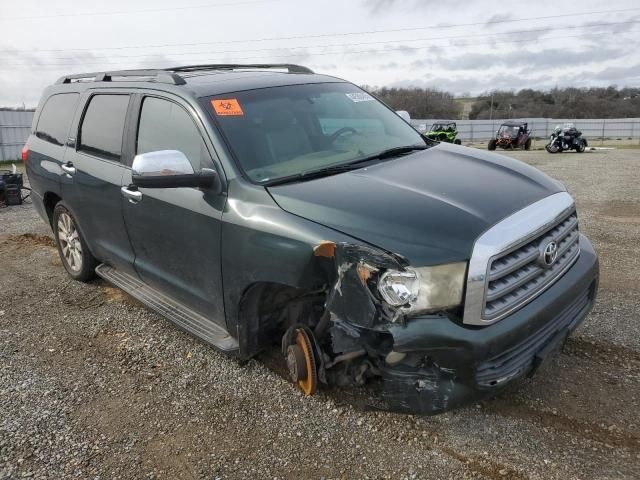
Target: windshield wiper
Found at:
x=394, y=152
x=345, y=167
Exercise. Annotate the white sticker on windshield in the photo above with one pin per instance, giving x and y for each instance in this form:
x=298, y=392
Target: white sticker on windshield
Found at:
x=359, y=97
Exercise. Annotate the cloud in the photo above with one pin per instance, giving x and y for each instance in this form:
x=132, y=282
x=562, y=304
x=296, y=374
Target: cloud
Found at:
x=533, y=60
x=472, y=83
x=388, y=66
x=519, y=79
x=620, y=25
x=613, y=75
x=497, y=18
x=376, y=6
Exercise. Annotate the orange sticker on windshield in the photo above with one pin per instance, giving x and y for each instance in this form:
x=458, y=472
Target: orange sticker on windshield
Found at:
x=227, y=107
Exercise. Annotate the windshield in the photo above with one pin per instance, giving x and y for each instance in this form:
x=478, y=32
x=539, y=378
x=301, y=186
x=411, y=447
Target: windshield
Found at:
x=443, y=127
x=510, y=130
x=278, y=132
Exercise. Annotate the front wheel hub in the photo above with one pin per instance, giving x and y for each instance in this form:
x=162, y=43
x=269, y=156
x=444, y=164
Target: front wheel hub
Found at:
x=297, y=363
x=301, y=361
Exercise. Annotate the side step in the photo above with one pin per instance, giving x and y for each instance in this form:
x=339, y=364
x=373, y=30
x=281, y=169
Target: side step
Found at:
x=182, y=316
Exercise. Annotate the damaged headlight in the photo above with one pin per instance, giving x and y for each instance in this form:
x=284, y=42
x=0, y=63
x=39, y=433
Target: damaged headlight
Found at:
x=425, y=289
x=399, y=288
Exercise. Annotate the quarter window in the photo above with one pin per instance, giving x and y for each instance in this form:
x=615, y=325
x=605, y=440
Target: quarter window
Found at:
x=165, y=125
x=55, y=118
x=103, y=125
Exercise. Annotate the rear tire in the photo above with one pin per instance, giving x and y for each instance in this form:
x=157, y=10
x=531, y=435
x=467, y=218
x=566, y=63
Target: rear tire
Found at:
x=527, y=144
x=492, y=144
x=74, y=253
x=457, y=141
x=581, y=148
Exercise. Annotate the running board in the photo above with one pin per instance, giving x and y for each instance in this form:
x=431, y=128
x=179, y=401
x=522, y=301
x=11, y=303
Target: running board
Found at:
x=182, y=316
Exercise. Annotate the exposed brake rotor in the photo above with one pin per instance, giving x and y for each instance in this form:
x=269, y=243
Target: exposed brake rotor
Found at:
x=301, y=361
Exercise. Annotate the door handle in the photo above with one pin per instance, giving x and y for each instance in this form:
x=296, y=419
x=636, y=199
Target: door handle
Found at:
x=134, y=196
x=68, y=168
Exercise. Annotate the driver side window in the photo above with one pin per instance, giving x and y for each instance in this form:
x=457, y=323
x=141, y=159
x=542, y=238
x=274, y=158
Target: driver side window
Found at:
x=165, y=125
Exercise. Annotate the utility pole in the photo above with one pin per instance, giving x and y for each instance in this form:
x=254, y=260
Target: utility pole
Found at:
x=491, y=109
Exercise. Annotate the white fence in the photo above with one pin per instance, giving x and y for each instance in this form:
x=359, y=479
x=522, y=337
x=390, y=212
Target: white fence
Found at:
x=14, y=131
x=593, y=129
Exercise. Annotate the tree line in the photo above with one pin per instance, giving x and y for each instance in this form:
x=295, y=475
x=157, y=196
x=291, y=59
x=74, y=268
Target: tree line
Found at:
x=610, y=102
x=419, y=102
x=16, y=109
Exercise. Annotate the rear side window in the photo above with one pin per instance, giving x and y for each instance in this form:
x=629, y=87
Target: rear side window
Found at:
x=165, y=125
x=55, y=118
x=103, y=125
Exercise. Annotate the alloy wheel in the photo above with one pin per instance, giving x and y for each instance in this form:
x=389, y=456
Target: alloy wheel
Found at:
x=69, y=240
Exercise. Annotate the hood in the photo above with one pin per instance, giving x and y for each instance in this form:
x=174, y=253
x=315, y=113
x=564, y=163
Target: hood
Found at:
x=428, y=206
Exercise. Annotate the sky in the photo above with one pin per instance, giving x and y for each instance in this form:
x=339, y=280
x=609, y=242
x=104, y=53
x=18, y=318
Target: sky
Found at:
x=464, y=47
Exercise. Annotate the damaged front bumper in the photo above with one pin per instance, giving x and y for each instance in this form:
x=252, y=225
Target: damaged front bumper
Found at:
x=448, y=364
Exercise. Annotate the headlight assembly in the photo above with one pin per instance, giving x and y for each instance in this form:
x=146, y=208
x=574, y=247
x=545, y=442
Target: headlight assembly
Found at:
x=425, y=289
x=399, y=288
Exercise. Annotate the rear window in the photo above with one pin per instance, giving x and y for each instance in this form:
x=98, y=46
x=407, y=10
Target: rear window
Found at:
x=55, y=118
x=103, y=125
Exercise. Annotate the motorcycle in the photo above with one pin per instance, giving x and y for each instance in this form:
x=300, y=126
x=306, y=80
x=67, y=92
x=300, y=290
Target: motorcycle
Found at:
x=566, y=137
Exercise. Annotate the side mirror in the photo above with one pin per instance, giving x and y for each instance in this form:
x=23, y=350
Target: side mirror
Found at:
x=171, y=169
x=404, y=114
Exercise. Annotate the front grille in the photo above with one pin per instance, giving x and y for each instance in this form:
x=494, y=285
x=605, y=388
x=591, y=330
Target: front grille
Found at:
x=518, y=275
x=518, y=360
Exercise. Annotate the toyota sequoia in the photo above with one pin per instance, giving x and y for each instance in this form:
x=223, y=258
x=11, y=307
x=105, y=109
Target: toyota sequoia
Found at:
x=268, y=207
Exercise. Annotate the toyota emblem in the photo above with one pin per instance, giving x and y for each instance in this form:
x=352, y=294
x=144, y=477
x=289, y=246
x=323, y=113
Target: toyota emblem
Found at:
x=550, y=253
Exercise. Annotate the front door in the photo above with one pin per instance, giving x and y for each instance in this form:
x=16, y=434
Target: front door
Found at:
x=175, y=232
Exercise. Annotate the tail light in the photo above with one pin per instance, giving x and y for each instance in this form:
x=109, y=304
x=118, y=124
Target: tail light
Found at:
x=25, y=153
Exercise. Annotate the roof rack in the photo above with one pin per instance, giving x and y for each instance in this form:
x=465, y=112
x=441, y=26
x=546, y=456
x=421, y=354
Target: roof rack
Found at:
x=291, y=68
x=160, y=76
x=170, y=75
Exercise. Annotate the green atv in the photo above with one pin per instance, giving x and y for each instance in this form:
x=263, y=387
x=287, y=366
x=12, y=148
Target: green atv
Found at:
x=444, y=132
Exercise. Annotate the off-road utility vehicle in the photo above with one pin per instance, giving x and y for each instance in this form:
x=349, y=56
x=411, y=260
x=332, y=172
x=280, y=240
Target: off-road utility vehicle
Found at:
x=444, y=132
x=265, y=205
x=511, y=135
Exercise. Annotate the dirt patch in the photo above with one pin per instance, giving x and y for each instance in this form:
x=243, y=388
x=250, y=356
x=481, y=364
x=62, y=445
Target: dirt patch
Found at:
x=30, y=239
x=603, y=352
x=115, y=295
x=613, y=436
x=484, y=466
x=622, y=211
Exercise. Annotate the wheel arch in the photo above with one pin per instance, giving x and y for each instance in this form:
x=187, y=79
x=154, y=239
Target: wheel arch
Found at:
x=50, y=200
x=265, y=308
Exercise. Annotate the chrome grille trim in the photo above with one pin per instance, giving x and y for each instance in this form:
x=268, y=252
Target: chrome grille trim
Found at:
x=514, y=239
x=511, y=290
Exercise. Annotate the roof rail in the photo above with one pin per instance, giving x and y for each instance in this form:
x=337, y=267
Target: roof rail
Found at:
x=236, y=66
x=160, y=76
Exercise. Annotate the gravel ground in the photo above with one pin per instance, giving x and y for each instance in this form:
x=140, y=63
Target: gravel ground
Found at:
x=92, y=384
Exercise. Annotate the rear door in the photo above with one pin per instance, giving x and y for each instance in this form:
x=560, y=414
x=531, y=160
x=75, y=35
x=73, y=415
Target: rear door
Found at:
x=91, y=186
x=175, y=232
x=48, y=144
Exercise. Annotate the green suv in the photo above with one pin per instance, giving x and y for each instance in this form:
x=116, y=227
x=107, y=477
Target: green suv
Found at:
x=268, y=207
